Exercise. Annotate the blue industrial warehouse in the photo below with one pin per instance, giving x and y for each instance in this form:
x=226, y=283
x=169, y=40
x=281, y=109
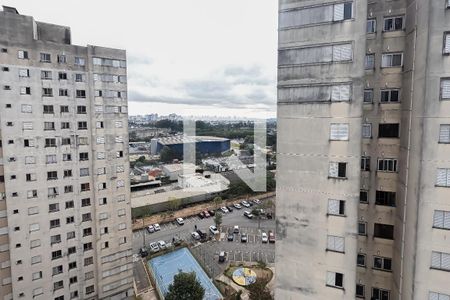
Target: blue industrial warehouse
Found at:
x=203, y=144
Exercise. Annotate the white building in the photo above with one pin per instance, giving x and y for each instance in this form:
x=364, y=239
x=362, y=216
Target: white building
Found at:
x=65, y=229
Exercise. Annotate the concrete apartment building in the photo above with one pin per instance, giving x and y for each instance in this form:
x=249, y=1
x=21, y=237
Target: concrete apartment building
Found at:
x=363, y=199
x=65, y=229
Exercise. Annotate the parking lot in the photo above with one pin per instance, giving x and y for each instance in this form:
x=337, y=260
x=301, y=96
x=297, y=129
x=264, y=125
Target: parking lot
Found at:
x=208, y=253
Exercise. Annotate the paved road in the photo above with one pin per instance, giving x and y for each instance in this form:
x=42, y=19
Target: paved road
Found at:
x=169, y=230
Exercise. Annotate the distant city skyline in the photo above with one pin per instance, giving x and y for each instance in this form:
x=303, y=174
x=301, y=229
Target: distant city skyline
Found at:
x=214, y=64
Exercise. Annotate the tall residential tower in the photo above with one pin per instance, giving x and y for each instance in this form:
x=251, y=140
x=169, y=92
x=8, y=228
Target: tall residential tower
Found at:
x=65, y=229
x=363, y=199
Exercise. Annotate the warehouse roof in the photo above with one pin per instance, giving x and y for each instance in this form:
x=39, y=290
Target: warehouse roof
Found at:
x=180, y=139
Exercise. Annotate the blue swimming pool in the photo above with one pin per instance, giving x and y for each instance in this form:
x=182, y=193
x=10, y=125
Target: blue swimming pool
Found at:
x=165, y=267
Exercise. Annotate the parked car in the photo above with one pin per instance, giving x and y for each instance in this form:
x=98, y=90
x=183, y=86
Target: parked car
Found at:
x=150, y=229
x=245, y=204
x=201, y=234
x=230, y=209
x=180, y=221
x=143, y=252
x=256, y=201
x=213, y=229
x=237, y=206
x=222, y=256
x=236, y=229
x=201, y=215
x=156, y=226
x=271, y=237
x=243, y=237
x=230, y=236
x=264, y=237
x=206, y=213
x=224, y=210
x=195, y=235
x=162, y=245
x=248, y=214
x=154, y=247
x=176, y=240
x=212, y=213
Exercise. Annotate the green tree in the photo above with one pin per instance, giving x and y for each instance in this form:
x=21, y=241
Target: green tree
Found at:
x=174, y=204
x=166, y=154
x=185, y=286
x=218, y=219
x=141, y=159
x=258, y=291
x=217, y=201
x=257, y=213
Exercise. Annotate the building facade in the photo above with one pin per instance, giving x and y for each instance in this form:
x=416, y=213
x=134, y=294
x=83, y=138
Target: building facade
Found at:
x=65, y=229
x=363, y=207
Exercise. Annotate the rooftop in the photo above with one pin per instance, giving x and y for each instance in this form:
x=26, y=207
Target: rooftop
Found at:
x=180, y=139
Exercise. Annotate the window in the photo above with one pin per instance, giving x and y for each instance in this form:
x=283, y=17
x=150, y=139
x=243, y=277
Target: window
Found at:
x=54, y=223
x=70, y=235
x=387, y=165
x=389, y=60
x=28, y=143
x=82, y=140
x=85, y=202
x=369, y=62
x=26, y=108
x=30, y=177
x=52, y=175
x=365, y=163
x=316, y=55
x=70, y=204
x=339, y=132
x=86, y=217
x=82, y=125
x=119, y=154
x=120, y=169
x=62, y=59
x=55, y=239
x=88, y=261
x=360, y=290
x=99, y=124
x=385, y=198
x=337, y=170
x=81, y=109
x=36, y=259
x=31, y=194
x=80, y=61
x=84, y=172
x=57, y=270
x=335, y=243
x=444, y=133
x=24, y=73
x=81, y=93
x=22, y=54
x=335, y=279
x=63, y=92
x=36, y=275
x=58, y=285
x=47, y=92
x=51, y=142
x=389, y=96
x=445, y=88
x=380, y=294
x=52, y=192
x=102, y=186
x=383, y=231
x=48, y=109
x=118, y=124
x=84, y=156
x=65, y=125
x=393, y=23
x=73, y=280
x=100, y=155
x=71, y=250
x=70, y=220
x=89, y=289
x=54, y=207
x=49, y=125
x=46, y=75
x=441, y=219
x=388, y=130
x=45, y=57
x=33, y=210
x=67, y=157
x=119, y=139
x=65, y=141
x=25, y=90
x=68, y=189
x=336, y=207
x=361, y=260
x=103, y=201
x=368, y=96
x=99, y=109
x=367, y=130
x=438, y=296
x=382, y=263
x=85, y=187
x=62, y=76
x=79, y=77
x=371, y=26
x=120, y=183
x=87, y=246
x=51, y=159
x=87, y=231
x=100, y=140
x=56, y=254
x=362, y=228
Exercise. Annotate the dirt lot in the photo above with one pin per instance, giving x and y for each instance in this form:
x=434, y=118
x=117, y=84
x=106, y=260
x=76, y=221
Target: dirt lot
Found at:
x=189, y=211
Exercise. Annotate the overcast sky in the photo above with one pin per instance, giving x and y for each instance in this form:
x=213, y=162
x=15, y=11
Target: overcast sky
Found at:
x=190, y=57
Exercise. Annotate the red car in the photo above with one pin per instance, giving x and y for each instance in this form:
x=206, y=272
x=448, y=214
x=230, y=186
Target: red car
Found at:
x=206, y=213
x=271, y=237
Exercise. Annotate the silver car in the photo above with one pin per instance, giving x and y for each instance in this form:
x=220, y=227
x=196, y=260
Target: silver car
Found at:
x=154, y=247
